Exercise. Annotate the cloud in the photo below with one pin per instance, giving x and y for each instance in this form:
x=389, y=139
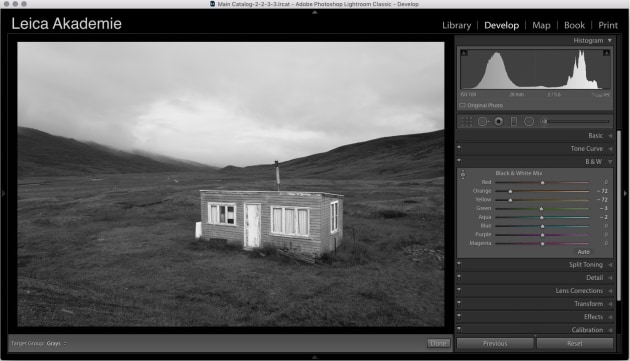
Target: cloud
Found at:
x=230, y=103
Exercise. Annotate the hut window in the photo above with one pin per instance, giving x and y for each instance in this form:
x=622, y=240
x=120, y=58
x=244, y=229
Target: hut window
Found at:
x=221, y=213
x=291, y=221
x=334, y=216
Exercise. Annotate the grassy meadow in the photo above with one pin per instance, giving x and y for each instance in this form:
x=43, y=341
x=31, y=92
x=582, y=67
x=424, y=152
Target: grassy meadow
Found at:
x=119, y=250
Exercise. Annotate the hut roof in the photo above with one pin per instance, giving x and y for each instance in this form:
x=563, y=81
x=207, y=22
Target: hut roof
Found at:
x=281, y=193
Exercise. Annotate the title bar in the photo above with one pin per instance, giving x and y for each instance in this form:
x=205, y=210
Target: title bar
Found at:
x=321, y=4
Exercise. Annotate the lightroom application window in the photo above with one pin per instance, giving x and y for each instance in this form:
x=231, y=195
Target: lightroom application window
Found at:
x=314, y=180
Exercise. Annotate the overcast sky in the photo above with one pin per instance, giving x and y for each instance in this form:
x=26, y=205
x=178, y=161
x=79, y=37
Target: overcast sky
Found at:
x=230, y=103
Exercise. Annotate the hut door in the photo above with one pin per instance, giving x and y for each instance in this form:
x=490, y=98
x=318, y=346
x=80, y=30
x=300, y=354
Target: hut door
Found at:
x=252, y=225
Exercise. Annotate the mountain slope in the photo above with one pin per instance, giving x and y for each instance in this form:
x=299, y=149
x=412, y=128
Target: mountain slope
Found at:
x=43, y=154
x=398, y=157
x=172, y=160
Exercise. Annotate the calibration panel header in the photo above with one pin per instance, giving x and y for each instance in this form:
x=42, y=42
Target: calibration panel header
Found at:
x=312, y=180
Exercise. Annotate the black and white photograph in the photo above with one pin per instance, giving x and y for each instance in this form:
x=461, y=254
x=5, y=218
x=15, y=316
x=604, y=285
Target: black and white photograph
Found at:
x=230, y=184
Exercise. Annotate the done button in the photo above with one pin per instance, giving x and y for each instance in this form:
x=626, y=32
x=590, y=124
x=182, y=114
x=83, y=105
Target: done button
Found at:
x=438, y=343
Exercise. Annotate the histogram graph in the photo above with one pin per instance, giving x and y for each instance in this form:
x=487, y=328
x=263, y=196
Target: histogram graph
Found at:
x=535, y=69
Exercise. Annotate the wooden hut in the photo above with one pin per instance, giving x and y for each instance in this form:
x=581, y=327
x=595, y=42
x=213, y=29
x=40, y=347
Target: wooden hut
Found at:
x=307, y=222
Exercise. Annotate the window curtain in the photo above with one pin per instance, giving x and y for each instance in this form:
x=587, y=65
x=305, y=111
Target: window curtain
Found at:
x=277, y=220
x=332, y=217
x=302, y=222
x=289, y=221
x=214, y=214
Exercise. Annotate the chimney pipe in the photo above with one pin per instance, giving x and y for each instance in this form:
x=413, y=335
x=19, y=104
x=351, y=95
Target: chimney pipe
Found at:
x=278, y=175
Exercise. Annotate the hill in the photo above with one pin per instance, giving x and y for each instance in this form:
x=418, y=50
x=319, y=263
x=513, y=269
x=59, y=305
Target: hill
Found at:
x=43, y=154
x=399, y=157
x=172, y=160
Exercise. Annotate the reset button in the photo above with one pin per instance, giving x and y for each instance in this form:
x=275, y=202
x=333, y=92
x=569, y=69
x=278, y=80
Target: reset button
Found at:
x=438, y=343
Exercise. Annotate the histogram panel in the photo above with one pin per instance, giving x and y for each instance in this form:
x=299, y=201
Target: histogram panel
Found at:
x=535, y=69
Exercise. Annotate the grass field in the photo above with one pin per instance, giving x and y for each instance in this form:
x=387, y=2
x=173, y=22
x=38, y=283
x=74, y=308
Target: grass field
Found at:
x=119, y=250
